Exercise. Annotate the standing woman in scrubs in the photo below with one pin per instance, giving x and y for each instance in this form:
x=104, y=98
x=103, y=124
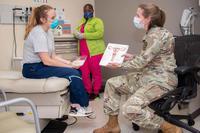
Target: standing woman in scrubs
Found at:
x=90, y=32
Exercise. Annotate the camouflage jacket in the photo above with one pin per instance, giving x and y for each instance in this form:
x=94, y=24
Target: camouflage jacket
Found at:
x=156, y=62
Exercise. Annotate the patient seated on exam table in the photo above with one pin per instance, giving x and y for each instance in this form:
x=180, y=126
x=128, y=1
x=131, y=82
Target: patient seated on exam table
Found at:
x=40, y=60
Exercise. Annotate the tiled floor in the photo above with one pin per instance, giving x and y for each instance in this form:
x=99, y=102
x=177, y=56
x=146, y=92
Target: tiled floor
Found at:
x=85, y=125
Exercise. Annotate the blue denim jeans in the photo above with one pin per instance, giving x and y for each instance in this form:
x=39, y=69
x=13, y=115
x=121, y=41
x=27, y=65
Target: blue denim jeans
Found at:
x=77, y=90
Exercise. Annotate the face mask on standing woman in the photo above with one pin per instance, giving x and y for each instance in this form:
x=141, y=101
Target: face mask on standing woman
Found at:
x=88, y=15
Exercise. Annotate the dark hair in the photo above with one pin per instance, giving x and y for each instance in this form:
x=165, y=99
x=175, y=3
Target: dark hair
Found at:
x=88, y=5
x=37, y=14
x=155, y=13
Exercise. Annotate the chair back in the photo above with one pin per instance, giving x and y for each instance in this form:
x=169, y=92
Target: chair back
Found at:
x=187, y=53
x=187, y=50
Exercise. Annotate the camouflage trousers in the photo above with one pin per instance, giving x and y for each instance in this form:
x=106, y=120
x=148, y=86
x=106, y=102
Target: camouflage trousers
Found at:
x=138, y=97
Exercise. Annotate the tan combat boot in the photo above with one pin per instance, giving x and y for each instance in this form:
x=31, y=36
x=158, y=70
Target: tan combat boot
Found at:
x=170, y=128
x=112, y=126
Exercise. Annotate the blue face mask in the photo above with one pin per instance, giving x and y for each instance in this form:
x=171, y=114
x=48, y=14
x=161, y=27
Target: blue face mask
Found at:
x=54, y=24
x=88, y=15
x=138, y=23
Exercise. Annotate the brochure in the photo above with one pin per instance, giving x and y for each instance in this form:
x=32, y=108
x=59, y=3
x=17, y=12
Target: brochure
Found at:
x=79, y=60
x=114, y=54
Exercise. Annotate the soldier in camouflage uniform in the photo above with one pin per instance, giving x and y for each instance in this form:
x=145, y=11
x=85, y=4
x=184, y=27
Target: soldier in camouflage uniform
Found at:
x=153, y=76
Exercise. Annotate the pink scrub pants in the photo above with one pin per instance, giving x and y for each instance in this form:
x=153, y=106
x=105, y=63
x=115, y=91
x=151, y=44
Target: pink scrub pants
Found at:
x=91, y=66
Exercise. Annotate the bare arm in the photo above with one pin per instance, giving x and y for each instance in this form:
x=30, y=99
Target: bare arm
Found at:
x=54, y=56
x=47, y=60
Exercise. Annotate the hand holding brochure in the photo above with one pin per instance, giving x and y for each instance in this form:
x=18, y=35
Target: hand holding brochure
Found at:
x=114, y=54
x=79, y=61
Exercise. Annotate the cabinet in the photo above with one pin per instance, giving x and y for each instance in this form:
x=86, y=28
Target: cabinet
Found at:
x=66, y=46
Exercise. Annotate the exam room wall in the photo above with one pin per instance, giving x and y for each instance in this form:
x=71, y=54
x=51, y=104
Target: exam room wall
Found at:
x=118, y=14
x=73, y=13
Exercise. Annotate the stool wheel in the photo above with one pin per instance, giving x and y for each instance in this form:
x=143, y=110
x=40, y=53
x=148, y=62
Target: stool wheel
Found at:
x=135, y=127
x=191, y=122
x=160, y=131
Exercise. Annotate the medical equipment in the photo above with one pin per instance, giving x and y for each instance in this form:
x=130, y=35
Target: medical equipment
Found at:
x=19, y=13
x=187, y=21
x=50, y=95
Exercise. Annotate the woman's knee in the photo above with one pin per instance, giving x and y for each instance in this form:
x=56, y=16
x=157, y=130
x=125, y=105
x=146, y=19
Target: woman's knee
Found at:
x=131, y=111
x=111, y=81
x=118, y=84
x=110, y=85
x=75, y=72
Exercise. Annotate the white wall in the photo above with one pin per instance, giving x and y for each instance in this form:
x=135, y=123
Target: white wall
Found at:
x=73, y=12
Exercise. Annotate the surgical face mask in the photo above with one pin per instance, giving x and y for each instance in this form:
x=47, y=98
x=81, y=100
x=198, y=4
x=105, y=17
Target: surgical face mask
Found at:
x=88, y=15
x=54, y=24
x=138, y=23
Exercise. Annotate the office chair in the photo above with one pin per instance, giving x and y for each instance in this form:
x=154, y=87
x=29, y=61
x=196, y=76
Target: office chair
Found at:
x=187, y=54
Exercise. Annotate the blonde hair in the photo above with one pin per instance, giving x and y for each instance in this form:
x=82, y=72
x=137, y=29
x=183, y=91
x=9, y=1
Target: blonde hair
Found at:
x=35, y=18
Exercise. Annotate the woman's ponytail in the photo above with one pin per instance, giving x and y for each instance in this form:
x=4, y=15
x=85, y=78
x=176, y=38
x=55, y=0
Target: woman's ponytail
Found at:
x=31, y=22
x=35, y=18
x=162, y=18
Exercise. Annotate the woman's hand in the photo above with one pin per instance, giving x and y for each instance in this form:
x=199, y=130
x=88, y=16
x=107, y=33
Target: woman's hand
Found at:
x=113, y=65
x=128, y=56
x=75, y=66
x=67, y=62
x=79, y=35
